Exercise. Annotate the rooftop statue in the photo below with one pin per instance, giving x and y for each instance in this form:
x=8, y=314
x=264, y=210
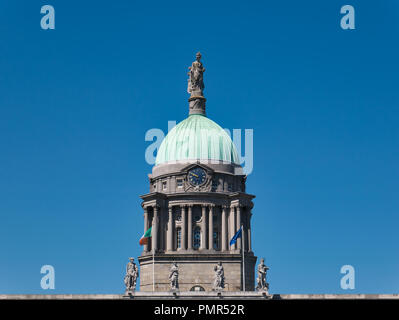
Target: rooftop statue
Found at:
x=196, y=77
x=218, y=284
x=174, y=277
x=132, y=273
x=262, y=285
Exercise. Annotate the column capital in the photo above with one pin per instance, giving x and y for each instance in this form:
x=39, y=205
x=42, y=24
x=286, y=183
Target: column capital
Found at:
x=237, y=205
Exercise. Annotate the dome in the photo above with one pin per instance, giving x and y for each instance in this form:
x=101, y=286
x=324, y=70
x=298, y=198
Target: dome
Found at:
x=197, y=138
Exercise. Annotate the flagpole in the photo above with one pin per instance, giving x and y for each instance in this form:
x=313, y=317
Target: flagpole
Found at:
x=153, y=270
x=153, y=260
x=234, y=241
x=243, y=256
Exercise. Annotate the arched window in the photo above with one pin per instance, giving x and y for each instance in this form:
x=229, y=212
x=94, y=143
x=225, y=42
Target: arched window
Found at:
x=178, y=238
x=197, y=238
x=197, y=288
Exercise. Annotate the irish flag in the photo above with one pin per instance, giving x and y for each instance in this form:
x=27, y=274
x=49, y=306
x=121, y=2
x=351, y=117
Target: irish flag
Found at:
x=144, y=238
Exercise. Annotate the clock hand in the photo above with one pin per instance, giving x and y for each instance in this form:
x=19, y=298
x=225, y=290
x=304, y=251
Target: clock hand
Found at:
x=194, y=175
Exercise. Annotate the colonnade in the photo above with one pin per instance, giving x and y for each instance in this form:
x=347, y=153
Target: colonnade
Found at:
x=226, y=220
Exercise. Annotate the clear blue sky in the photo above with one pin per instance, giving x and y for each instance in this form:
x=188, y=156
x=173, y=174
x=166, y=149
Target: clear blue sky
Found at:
x=76, y=102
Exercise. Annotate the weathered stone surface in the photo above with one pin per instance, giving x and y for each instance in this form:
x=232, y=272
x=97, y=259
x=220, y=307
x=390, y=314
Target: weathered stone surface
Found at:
x=196, y=270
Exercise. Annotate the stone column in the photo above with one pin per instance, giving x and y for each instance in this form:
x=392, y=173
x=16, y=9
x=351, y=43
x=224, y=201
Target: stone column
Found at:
x=249, y=230
x=160, y=229
x=244, y=221
x=169, y=240
x=232, y=226
x=224, y=231
x=190, y=228
x=168, y=184
x=183, y=228
x=210, y=224
x=203, y=228
x=145, y=226
x=238, y=226
x=154, y=233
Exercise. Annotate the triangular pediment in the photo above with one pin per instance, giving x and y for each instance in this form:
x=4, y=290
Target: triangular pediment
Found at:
x=198, y=164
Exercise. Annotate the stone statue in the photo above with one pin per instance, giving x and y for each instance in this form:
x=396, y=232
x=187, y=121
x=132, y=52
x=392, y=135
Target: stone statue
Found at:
x=132, y=273
x=218, y=284
x=174, y=277
x=262, y=285
x=196, y=77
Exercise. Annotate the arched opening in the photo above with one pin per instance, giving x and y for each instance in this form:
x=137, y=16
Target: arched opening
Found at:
x=197, y=288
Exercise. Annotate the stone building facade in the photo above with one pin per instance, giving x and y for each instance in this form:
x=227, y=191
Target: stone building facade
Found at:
x=195, y=205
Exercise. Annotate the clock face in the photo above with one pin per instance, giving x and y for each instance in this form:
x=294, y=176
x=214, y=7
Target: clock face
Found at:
x=197, y=176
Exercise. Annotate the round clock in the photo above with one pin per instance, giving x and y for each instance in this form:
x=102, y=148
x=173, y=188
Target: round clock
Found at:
x=197, y=176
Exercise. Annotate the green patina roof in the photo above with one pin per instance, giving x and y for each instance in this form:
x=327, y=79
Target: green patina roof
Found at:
x=197, y=138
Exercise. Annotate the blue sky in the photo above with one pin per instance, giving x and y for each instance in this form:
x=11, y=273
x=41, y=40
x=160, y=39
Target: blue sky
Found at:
x=76, y=102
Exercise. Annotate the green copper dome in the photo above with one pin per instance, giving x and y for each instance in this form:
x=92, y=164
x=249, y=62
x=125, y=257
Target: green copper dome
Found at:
x=197, y=138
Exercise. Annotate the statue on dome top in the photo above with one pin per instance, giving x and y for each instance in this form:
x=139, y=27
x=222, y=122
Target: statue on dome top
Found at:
x=196, y=77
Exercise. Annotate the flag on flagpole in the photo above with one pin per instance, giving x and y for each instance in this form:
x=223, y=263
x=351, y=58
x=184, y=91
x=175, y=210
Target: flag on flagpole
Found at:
x=236, y=236
x=145, y=236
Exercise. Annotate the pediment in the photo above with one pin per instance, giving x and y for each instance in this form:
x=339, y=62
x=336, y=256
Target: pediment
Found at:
x=198, y=164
